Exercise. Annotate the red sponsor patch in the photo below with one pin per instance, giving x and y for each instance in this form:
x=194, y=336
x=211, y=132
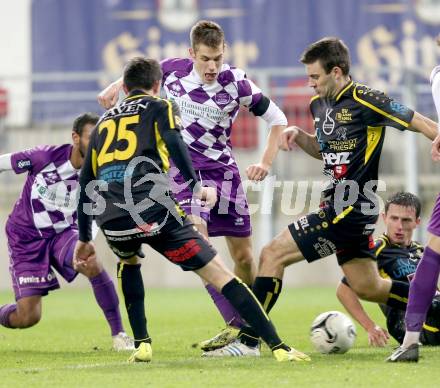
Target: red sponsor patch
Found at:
x=339, y=171
x=146, y=228
x=185, y=252
x=370, y=242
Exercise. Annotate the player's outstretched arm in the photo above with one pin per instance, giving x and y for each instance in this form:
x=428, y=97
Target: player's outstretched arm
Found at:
x=109, y=96
x=305, y=141
x=424, y=125
x=376, y=335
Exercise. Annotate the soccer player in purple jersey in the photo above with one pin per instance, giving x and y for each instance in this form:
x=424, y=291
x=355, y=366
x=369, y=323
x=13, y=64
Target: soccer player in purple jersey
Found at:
x=209, y=94
x=139, y=206
x=42, y=233
x=424, y=284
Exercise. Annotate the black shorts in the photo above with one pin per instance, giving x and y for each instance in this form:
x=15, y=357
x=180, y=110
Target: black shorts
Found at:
x=181, y=244
x=323, y=232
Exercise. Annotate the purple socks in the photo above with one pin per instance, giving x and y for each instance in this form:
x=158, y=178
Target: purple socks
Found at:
x=422, y=290
x=5, y=311
x=229, y=314
x=107, y=299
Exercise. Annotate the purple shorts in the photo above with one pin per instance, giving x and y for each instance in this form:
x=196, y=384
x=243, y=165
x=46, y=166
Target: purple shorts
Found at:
x=32, y=261
x=434, y=222
x=230, y=216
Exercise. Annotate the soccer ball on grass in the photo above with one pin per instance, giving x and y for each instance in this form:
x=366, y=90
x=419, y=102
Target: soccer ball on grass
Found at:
x=332, y=332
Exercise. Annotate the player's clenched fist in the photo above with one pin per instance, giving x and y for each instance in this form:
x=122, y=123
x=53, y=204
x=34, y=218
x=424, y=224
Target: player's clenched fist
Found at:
x=84, y=251
x=435, y=150
x=208, y=195
x=287, y=138
x=109, y=96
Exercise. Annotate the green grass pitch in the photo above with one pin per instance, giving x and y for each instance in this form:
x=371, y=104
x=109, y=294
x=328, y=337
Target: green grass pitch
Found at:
x=70, y=348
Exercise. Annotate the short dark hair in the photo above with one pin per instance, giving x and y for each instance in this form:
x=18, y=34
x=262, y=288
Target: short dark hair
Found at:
x=141, y=73
x=330, y=52
x=405, y=199
x=208, y=33
x=82, y=120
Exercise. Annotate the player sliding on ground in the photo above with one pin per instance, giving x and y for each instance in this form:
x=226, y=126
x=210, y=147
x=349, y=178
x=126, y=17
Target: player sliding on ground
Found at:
x=42, y=233
x=129, y=156
x=397, y=257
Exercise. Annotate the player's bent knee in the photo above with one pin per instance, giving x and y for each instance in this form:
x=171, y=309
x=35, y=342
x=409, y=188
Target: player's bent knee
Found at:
x=365, y=291
x=243, y=258
x=270, y=257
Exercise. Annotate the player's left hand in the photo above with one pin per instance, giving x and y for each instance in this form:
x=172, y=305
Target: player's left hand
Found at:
x=435, y=149
x=257, y=172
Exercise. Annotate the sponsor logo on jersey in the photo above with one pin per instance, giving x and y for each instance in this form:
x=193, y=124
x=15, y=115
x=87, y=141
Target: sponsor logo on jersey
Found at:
x=222, y=98
x=340, y=171
x=344, y=116
x=239, y=221
x=324, y=247
x=175, y=89
x=23, y=163
x=342, y=145
x=185, y=252
x=334, y=159
x=329, y=124
x=398, y=108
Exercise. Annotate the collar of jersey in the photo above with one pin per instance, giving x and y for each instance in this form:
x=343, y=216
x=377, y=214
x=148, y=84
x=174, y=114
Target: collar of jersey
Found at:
x=344, y=89
x=136, y=93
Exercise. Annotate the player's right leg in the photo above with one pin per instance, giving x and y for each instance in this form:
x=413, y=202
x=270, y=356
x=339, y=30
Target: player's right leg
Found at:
x=185, y=247
x=364, y=279
x=131, y=284
x=26, y=312
x=281, y=252
x=242, y=298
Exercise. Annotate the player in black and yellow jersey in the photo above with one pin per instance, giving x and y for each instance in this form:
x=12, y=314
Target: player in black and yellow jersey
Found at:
x=397, y=258
x=350, y=121
x=127, y=160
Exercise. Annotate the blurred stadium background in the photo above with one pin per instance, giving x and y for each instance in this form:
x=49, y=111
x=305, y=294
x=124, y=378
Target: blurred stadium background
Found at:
x=58, y=54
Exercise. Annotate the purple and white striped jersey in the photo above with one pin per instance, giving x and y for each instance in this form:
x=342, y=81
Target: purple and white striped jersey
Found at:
x=47, y=204
x=208, y=110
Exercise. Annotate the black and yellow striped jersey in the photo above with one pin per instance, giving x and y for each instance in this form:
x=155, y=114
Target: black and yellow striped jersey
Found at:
x=394, y=261
x=128, y=156
x=350, y=130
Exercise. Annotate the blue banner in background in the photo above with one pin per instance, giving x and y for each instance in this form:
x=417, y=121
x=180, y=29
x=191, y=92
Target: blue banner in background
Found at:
x=100, y=35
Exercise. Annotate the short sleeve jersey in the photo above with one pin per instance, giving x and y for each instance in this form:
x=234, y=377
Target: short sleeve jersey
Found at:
x=350, y=130
x=208, y=110
x=47, y=204
x=128, y=153
x=396, y=262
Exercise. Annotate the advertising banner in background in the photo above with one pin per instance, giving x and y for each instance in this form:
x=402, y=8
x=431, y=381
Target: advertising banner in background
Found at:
x=97, y=37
